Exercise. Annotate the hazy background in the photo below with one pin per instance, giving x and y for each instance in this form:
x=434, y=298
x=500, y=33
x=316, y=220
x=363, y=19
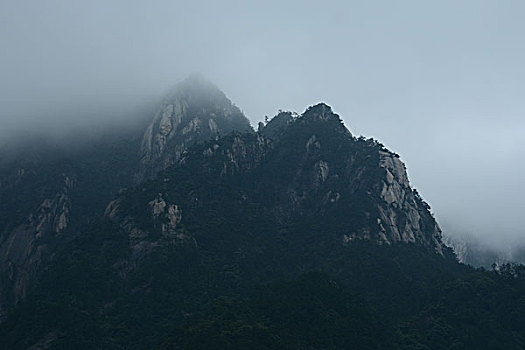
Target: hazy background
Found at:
x=442, y=83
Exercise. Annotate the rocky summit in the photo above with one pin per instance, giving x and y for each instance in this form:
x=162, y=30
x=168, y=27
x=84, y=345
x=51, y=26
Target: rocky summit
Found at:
x=194, y=231
x=194, y=111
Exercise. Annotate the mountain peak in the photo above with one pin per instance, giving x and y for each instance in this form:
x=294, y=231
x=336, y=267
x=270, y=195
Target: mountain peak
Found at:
x=316, y=116
x=320, y=112
x=195, y=110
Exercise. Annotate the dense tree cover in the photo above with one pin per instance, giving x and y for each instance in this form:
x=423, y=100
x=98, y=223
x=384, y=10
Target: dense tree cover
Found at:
x=475, y=310
x=313, y=311
x=374, y=297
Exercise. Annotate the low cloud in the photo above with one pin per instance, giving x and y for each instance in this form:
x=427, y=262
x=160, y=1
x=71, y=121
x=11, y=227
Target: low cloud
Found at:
x=442, y=84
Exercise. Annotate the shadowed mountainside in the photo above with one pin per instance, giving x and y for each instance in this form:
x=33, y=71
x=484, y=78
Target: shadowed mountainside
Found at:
x=202, y=233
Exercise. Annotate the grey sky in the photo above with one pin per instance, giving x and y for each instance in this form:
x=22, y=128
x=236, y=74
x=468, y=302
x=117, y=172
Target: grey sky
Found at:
x=440, y=82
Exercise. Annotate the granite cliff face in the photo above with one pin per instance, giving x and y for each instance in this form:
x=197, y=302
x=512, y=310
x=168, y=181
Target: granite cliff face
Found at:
x=194, y=111
x=403, y=215
x=25, y=247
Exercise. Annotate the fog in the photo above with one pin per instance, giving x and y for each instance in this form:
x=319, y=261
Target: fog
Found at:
x=441, y=83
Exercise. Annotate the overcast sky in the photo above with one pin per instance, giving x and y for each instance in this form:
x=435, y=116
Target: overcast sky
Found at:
x=442, y=83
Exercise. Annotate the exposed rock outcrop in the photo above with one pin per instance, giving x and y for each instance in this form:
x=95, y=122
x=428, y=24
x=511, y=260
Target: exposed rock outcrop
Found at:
x=166, y=230
x=403, y=216
x=25, y=248
x=194, y=111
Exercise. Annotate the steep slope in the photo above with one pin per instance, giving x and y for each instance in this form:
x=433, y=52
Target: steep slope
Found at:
x=194, y=111
x=46, y=195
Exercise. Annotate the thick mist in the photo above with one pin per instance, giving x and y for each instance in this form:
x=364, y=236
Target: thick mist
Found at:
x=440, y=83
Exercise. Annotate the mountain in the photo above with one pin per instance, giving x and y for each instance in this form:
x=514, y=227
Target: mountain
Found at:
x=195, y=231
x=354, y=189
